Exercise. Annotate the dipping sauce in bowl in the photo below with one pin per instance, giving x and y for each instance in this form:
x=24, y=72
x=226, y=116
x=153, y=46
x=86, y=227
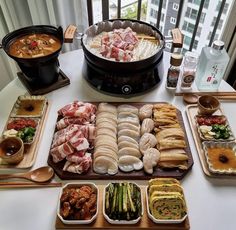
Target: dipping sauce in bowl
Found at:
x=207, y=105
x=12, y=150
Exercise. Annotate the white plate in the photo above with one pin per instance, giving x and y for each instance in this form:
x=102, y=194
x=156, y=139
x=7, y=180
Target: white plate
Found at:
x=202, y=137
x=77, y=185
x=212, y=144
x=21, y=98
x=111, y=221
x=159, y=221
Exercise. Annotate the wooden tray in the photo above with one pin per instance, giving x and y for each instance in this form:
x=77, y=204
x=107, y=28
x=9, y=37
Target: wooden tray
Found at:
x=30, y=151
x=135, y=175
x=37, y=89
x=144, y=223
x=191, y=111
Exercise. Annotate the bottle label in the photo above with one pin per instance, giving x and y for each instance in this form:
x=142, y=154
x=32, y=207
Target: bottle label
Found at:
x=187, y=79
x=172, y=78
x=213, y=76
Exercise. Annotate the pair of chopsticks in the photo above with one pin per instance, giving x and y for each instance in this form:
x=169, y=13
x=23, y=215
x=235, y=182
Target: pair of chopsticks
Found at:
x=220, y=95
x=28, y=185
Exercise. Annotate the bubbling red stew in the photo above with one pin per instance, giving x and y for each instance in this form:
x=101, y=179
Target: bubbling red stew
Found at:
x=34, y=46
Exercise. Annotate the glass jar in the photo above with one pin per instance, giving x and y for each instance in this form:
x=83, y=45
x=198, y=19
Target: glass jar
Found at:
x=189, y=70
x=174, y=70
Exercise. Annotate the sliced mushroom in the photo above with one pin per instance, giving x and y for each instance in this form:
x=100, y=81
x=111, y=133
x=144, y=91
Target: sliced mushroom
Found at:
x=147, y=141
x=147, y=126
x=130, y=163
x=145, y=111
x=104, y=164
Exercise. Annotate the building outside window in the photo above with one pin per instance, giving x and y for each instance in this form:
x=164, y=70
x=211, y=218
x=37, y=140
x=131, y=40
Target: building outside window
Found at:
x=173, y=20
x=175, y=6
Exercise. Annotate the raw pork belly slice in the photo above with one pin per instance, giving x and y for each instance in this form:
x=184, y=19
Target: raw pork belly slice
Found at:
x=61, y=136
x=75, y=135
x=118, y=44
x=60, y=152
x=81, y=166
x=79, y=109
x=65, y=121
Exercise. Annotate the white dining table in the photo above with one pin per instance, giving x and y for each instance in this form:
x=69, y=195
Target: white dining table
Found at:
x=211, y=202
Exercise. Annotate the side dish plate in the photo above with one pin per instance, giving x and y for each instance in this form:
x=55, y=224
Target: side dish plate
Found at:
x=29, y=106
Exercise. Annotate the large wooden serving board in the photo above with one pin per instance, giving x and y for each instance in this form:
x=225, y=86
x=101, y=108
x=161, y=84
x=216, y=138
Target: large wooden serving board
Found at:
x=192, y=111
x=135, y=175
x=144, y=223
x=30, y=151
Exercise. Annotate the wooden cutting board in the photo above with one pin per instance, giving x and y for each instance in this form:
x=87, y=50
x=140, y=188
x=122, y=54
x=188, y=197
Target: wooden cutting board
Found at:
x=144, y=223
x=135, y=175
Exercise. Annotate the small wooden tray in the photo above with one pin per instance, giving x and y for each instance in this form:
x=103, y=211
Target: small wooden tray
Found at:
x=37, y=89
x=191, y=111
x=30, y=151
x=144, y=223
x=134, y=175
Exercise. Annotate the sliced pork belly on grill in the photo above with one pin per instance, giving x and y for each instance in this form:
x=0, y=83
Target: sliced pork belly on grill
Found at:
x=78, y=109
x=60, y=152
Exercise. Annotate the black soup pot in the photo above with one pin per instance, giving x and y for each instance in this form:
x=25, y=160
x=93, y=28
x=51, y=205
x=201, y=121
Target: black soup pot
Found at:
x=42, y=70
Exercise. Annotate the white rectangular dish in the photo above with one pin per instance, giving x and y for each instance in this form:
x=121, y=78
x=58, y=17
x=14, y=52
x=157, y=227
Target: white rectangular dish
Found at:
x=121, y=222
x=160, y=221
x=78, y=185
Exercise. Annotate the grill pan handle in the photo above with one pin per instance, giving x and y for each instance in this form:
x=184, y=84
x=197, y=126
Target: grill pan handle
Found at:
x=176, y=38
x=69, y=34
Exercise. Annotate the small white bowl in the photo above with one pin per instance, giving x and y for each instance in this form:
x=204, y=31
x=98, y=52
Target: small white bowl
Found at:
x=159, y=221
x=111, y=221
x=77, y=185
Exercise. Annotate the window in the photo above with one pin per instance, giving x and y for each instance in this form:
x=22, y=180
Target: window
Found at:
x=187, y=14
x=175, y=6
x=162, y=17
x=172, y=20
x=206, y=4
x=195, y=1
x=155, y=2
x=190, y=27
x=195, y=43
x=187, y=40
x=191, y=13
x=153, y=13
x=185, y=25
x=202, y=18
x=213, y=21
x=226, y=7
x=199, y=30
x=164, y=4
x=220, y=24
x=168, y=45
x=209, y=36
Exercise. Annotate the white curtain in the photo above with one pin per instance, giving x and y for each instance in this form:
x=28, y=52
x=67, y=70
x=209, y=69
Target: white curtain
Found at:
x=15, y=14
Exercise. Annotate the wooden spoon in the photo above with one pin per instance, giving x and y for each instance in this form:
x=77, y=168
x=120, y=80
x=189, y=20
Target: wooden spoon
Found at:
x=42, y=174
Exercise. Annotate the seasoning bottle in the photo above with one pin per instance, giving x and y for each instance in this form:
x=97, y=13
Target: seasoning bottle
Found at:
x=174, y=71
x=211, y=67
x=189, y=70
